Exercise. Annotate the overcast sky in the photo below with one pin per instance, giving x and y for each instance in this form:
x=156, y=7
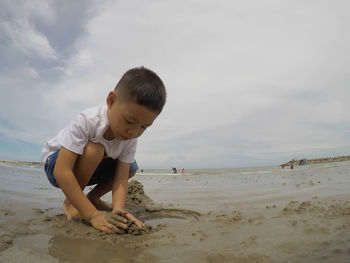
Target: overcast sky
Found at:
x=249, y=83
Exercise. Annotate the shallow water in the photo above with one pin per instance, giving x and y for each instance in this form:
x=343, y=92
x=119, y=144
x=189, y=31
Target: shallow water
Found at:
x=232, y=186
x=29, y=184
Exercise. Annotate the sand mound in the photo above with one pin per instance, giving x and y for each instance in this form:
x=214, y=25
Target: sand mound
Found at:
x=136, y=194
x=134, y=230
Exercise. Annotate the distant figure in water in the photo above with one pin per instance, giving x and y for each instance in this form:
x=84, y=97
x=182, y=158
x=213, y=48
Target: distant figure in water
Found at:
x=183, y=171
x=174, y=170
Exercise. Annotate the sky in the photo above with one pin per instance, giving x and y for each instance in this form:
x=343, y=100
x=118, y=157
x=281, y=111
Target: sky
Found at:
x=249, y=82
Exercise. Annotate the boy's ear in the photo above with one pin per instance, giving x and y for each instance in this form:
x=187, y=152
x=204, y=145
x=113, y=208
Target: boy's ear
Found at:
x=111, y=98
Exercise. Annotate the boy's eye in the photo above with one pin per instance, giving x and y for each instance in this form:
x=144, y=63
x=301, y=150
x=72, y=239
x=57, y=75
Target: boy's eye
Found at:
x=128, y=122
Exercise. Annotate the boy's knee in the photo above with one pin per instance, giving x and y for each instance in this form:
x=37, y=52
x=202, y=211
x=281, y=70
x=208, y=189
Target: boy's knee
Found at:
x=132, y=174
x=94, y=150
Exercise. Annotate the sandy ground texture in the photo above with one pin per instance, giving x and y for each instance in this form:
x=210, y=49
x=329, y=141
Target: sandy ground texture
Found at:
x=252, y=215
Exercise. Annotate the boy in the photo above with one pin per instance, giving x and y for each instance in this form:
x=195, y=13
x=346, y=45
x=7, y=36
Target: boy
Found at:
x=99, y=146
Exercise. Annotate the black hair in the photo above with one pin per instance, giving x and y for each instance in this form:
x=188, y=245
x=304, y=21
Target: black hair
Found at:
x=144, y=87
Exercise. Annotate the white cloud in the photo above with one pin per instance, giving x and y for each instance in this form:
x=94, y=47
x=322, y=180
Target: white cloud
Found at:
x=42, y=9
x=16, y=24
x=27, y=39
x=31, y=72
x=248, y=81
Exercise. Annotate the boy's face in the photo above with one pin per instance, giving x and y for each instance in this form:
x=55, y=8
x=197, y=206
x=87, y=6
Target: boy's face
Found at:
x=127, y=119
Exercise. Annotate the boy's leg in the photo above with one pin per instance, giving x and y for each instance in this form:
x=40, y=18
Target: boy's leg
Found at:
x=84, y=168
x=132, y=174
x=100, y=190
x=97, y=192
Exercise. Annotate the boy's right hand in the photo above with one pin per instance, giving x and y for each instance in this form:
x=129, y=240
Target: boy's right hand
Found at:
x=108, y=223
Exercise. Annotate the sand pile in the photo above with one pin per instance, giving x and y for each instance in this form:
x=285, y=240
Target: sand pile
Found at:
x=136, y=194
x=134, y=230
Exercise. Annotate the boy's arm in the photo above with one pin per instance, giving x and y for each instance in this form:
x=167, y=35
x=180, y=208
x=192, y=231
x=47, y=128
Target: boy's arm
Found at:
x=68, y=183
x=120, y=186
x=120, y=191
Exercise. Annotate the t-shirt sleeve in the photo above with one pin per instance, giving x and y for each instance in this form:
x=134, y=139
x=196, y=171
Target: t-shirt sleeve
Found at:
x=129, y=151
x=76, y=135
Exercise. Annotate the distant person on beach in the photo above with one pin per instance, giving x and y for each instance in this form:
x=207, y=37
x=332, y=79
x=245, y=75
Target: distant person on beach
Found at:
x=98, y=147
x=183, y=170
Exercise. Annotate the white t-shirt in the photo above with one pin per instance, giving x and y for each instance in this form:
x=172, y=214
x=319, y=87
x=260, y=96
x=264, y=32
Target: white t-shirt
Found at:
x=90, y=125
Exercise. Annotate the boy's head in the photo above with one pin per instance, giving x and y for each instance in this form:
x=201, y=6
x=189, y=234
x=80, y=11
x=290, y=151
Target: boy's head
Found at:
x=142, y=86
x=135, y=103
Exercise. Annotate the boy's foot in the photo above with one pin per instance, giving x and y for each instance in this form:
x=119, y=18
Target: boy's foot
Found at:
x=99, y=204
x=70, y=211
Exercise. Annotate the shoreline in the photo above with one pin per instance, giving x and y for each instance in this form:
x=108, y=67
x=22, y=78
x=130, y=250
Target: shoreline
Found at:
x=317, y=160
x=21, y=162
x=289, y=163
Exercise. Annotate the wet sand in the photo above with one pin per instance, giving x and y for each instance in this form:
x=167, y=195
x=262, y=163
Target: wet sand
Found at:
x=253, y=215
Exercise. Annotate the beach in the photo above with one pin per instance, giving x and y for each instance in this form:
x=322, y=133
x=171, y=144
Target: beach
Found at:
x=264, y=214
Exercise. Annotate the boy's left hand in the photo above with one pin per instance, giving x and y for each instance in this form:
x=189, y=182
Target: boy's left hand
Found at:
x=129, y=216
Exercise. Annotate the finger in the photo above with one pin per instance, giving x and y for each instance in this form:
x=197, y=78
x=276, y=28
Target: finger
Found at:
x=119, y=218
x=130, y=216
x=120, y=212
x=116, y=223
x=105, y=229
x=115, y=229
x=119, y=231
x=137, y=221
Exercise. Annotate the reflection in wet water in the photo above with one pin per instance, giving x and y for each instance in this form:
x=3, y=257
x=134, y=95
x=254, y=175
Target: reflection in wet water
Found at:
x=84, y=250
x=76, y=250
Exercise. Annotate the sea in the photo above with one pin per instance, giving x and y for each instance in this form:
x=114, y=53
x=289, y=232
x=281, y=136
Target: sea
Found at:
x=28, y=183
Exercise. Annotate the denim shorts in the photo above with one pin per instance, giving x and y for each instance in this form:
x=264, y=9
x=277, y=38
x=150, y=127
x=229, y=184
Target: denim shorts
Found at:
x=104, y=172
